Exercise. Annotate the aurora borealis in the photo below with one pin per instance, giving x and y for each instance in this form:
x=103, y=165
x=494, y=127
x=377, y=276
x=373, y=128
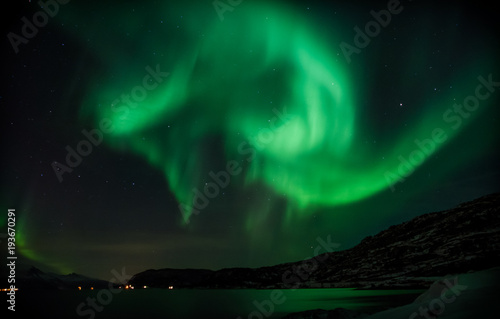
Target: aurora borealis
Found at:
x=238, y=142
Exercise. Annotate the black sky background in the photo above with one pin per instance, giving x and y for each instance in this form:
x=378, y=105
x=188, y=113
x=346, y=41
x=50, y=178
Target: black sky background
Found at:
x=115, y=211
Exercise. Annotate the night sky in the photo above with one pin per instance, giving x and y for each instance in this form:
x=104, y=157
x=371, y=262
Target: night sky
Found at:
x=153, y=134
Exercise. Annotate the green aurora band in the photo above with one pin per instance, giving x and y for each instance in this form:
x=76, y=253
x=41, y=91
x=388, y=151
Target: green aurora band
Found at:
x=230, y=78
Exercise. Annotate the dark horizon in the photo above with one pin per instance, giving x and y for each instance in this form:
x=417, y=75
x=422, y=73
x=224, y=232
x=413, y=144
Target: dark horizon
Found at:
x=324, y=245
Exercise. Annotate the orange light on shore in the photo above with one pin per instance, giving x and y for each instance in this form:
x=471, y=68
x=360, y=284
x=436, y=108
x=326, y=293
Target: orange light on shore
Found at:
x=79, y=288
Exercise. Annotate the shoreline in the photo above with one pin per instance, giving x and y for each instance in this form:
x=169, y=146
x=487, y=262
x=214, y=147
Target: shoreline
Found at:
x=469, y=295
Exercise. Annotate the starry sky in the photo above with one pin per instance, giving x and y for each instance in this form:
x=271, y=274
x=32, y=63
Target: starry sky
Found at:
x=155, y=134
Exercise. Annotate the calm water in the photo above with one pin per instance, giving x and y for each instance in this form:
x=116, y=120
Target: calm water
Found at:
x=246, y=303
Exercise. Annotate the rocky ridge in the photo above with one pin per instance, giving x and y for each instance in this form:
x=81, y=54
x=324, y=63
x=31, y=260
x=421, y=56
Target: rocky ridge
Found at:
x=409, y=255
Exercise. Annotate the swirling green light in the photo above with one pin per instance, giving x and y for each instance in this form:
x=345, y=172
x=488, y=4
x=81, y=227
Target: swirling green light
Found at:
x=226, y=78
